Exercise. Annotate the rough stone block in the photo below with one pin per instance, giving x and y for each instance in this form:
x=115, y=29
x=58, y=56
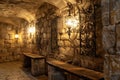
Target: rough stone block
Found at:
x=67, y=43
x=105, y=19
x=117, y=3
x=112, y=5
x=65, y=36
x=66, y=51
x=112, y=67
x=11, y=58
x=60, y=43
x=105, y=6
x=77, y=42
x=112, y=17
x=117, y=17
x=109, y=37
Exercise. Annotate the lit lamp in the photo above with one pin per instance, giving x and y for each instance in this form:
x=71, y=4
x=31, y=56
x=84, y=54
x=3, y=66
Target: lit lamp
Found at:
x=72, y=19
x=16, y=36
x=71, y=23
x=31, y=31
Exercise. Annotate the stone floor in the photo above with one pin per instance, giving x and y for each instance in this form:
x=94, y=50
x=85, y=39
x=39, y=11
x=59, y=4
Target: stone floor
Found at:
x=14, y=71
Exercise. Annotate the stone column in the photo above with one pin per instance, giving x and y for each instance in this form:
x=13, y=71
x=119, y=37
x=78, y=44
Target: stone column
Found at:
x=111, y=38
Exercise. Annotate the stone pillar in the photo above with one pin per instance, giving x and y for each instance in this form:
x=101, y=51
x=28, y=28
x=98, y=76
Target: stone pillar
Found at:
x=112, y=67
x=111, y=38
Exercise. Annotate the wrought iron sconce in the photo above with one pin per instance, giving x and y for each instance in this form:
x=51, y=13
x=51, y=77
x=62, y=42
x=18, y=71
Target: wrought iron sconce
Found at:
x=31, y=29
x=69, y=32
x=16, y=36
x=71, y=20
x=60, y=33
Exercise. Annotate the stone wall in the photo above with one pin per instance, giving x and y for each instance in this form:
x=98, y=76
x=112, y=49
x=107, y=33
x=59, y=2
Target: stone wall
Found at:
x=9, y=46
x=28, y=38
x=110, y=21
x=53, y=39
x=88, y=53
x=82, y=47
x=11, y=49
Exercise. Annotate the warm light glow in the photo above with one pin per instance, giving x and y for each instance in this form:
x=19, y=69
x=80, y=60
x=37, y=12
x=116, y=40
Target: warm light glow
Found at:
x=16, y=36
x=71, y=22
x=31, y=30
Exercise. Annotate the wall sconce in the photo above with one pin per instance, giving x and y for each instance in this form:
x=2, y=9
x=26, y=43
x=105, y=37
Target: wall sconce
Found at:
x=16, y=36
x=71, y=23
x=72, y=20
x=31, y=30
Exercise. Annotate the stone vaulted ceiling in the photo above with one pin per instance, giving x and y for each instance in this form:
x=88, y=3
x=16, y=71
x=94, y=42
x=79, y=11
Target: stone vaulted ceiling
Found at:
x=11, y=11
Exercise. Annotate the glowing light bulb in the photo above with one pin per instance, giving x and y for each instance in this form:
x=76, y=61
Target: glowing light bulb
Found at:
x=71, y=22
x=16, y=36
x=31, y=30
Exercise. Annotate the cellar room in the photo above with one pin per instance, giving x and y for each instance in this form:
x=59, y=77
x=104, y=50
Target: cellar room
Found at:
x=59, y=40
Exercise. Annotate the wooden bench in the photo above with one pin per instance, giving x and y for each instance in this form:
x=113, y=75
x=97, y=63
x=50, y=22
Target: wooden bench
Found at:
x=35, y=62
x=78, y=71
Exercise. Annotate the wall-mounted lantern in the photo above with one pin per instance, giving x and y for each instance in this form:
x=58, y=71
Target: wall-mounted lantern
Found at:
x=31, y=29
x=71, y=20
x=16, y=36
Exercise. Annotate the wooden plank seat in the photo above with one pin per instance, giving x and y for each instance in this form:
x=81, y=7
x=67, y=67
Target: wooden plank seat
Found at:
x=34, y=56
x=78, y=71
